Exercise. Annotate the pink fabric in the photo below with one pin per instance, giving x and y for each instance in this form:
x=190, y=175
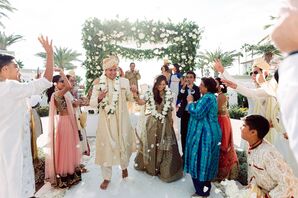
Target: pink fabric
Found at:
x=55, y=148
x=228, y=156
x=67, y=154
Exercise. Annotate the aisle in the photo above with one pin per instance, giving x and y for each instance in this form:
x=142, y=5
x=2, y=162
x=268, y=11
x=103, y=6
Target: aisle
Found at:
x=137, y=185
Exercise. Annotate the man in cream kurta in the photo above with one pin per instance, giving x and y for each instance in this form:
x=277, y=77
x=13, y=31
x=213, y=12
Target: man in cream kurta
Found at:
x=115, y=138
x=133, y=75
x=16, y=168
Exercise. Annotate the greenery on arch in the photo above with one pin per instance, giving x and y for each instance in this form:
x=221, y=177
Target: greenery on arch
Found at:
x=101, y=38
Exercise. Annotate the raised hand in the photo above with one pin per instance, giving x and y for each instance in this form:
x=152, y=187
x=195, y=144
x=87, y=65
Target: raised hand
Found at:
x=48, y=47
x=218, y=66
x=46, y=44
x=229, y=83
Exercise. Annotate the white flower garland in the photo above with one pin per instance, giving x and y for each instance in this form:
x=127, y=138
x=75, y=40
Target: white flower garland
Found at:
x=166, y=107
x=104, y=104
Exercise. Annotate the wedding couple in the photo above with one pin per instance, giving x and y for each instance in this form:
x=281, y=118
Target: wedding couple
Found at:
x=116, y=139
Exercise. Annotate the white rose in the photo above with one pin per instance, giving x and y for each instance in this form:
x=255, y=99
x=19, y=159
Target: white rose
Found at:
x=183, y=57
x=141, y=36
x=133, y=29
x=89, y=38
x=154, y=29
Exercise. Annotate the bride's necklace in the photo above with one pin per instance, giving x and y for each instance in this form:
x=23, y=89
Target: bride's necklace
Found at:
x=166, y=107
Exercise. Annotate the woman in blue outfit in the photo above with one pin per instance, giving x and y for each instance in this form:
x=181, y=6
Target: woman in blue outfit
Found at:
x=203, y=139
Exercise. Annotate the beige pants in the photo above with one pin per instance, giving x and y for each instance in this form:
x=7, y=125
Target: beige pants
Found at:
x=106, y=171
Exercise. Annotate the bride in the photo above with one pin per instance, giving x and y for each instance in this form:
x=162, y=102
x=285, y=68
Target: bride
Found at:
x=158, y=154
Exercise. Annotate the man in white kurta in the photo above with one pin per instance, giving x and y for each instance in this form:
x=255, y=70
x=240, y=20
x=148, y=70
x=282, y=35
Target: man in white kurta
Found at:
x=115, y=138
x=16, y=168
x=285, y=36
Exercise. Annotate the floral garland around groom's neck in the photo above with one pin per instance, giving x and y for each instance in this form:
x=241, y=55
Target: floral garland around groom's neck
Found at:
x=104, y=104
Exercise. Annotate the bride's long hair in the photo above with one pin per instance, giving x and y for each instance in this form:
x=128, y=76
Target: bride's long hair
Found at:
x=155, y=90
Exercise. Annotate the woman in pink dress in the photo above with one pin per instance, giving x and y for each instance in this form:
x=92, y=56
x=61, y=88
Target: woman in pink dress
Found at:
x=228, y=161
x=63, y=152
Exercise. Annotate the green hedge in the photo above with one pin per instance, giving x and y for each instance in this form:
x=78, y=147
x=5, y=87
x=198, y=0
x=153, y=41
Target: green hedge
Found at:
x=242, y=158
x=43, y=111
x=237, y=112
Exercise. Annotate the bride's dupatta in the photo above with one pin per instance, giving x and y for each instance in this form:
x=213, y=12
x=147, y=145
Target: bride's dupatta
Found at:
x=50, y=169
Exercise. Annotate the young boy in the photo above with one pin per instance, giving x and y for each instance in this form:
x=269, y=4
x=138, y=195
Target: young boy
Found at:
x=266, y=168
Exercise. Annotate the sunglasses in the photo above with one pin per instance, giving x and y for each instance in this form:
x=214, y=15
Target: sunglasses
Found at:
x=255, y=73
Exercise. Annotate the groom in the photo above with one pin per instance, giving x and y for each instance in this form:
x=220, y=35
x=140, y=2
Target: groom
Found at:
x=115, y=139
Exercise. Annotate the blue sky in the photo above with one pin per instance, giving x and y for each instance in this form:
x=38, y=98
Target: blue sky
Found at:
x=227, y=23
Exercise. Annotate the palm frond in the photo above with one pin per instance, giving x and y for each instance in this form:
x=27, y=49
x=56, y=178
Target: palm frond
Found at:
x=8, y=40
x=5, y=6
x=63, y=57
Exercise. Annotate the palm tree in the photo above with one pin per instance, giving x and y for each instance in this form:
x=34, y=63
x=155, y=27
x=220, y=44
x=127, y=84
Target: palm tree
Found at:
x=267, y=50
x=7, y=40
x=201, y=63
x=248, y=48
x=227, y=58
x=63, y=57
x=5, y=6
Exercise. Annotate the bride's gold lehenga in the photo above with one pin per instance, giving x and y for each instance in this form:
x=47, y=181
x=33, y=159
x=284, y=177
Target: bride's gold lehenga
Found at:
x=158, y=153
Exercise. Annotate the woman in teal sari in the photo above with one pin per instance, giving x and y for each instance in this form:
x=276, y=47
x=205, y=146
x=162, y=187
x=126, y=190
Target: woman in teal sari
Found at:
x=203, y=139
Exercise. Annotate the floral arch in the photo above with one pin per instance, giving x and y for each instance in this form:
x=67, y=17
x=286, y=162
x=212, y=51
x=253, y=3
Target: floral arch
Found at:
x=101, y=38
